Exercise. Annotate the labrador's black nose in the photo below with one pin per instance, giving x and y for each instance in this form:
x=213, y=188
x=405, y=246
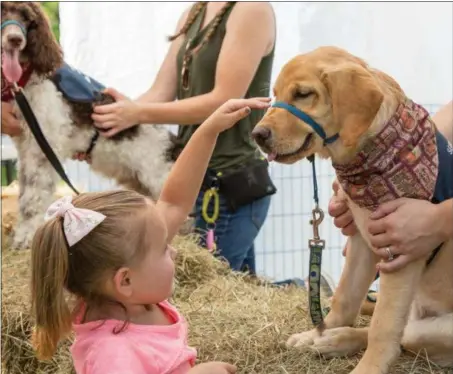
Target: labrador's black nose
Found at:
x=261, y=135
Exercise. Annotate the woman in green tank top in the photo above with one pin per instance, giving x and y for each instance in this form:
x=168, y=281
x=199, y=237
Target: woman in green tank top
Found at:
x=221, y=50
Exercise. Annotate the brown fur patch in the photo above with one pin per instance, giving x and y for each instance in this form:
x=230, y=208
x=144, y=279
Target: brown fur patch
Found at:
x=356, y=99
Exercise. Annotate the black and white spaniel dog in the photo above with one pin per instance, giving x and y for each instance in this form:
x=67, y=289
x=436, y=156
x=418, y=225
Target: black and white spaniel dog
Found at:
x=138, y=158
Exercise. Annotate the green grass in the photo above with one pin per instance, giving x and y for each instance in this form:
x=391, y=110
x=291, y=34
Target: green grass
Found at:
x=51, y=8
x=5, y=180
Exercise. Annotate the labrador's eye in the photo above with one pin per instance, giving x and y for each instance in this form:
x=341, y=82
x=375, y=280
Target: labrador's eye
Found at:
x=302, y=94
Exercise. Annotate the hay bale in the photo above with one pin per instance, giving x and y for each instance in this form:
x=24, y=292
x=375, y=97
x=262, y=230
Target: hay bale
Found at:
x=10, y=206
x=9, y=210
x=230, y=319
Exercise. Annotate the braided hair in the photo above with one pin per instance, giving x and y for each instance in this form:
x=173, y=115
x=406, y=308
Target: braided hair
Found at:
x=190, y=52
x=196, y=10
x=216, y=22
x=199, y=6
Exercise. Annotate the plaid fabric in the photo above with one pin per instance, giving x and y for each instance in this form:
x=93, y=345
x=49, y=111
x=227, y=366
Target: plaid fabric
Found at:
x=400, y=161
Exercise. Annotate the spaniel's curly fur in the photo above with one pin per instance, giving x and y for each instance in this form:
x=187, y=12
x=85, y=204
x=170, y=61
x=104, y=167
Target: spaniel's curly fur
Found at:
x=139, y=158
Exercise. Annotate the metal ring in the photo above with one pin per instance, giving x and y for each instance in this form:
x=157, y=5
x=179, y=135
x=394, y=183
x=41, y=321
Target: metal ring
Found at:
x=390, y=254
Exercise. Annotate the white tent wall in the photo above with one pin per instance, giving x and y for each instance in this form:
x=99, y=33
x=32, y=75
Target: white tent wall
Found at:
x=122, y=44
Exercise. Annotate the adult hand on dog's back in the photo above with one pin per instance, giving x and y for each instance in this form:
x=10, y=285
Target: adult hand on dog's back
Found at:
x=99, y=120
x=225, y=117
x=411, y=228
x=115, y=117
x=399, y=225
x=10, y=123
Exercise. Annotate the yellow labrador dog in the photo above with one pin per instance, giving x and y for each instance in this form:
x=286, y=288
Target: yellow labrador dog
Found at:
x=382, y=146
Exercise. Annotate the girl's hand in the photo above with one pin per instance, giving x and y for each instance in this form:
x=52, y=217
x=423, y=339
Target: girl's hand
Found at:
x=115, y=117
x=232, y=111
x=214, y=368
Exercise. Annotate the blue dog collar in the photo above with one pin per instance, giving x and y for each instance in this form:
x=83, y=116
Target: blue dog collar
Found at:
x=307, y=119
x=14, y=22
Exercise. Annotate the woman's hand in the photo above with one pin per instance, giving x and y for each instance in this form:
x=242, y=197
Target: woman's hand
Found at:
x=339, y=210
x=213, y=368
x=411, y=229
x=232, y=111
x=10, y=123
x=116, y=117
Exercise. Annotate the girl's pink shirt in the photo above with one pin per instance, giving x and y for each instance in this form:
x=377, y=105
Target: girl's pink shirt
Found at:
x=139, y=349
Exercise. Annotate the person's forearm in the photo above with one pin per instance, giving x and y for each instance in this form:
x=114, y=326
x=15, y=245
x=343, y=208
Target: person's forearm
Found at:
x=182, y=112
x=446, y=219
x=444, y=120
x=184, y=182
x=155, y=96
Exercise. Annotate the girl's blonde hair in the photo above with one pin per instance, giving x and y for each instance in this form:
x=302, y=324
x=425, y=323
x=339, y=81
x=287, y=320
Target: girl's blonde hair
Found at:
x=83, y=268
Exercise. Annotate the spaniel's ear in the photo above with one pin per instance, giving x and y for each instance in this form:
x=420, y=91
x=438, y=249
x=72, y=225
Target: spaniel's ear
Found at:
x=356, y=99
x=42, y=48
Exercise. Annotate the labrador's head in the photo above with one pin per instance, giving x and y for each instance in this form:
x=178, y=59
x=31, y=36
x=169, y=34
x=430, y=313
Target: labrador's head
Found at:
x=334, y=88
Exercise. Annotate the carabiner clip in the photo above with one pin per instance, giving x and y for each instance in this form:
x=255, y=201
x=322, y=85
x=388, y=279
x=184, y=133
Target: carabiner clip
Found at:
x=318, y=217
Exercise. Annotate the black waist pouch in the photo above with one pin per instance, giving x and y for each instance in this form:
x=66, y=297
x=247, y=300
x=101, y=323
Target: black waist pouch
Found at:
x=246, y=184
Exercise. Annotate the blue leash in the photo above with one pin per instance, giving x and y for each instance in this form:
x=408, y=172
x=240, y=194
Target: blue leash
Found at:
x=308, y=120
x=316, y=244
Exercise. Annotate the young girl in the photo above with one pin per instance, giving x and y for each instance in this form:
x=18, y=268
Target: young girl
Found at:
x=219, y=51
x=110, y=250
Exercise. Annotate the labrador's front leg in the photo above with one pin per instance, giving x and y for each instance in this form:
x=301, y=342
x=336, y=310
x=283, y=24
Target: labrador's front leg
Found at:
x=389, y=319
x=359, y=272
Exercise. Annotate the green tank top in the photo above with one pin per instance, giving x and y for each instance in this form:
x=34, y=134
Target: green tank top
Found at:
x=234, y=147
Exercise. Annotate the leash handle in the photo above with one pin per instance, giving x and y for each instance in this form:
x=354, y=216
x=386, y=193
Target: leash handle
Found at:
x=314, y=281
x=316, y=246
x=33, y=124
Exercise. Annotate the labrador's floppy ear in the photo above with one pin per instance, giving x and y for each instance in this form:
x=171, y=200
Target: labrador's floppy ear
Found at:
x=356, y=99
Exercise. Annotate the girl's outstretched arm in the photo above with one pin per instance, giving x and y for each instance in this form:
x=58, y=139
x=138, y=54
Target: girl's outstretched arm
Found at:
x=184, y=181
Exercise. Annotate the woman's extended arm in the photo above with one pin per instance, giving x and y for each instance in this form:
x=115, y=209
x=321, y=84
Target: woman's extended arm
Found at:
x=244, y=46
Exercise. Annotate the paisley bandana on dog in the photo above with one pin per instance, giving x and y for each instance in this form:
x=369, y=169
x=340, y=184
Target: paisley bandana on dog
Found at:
x=400, y=161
